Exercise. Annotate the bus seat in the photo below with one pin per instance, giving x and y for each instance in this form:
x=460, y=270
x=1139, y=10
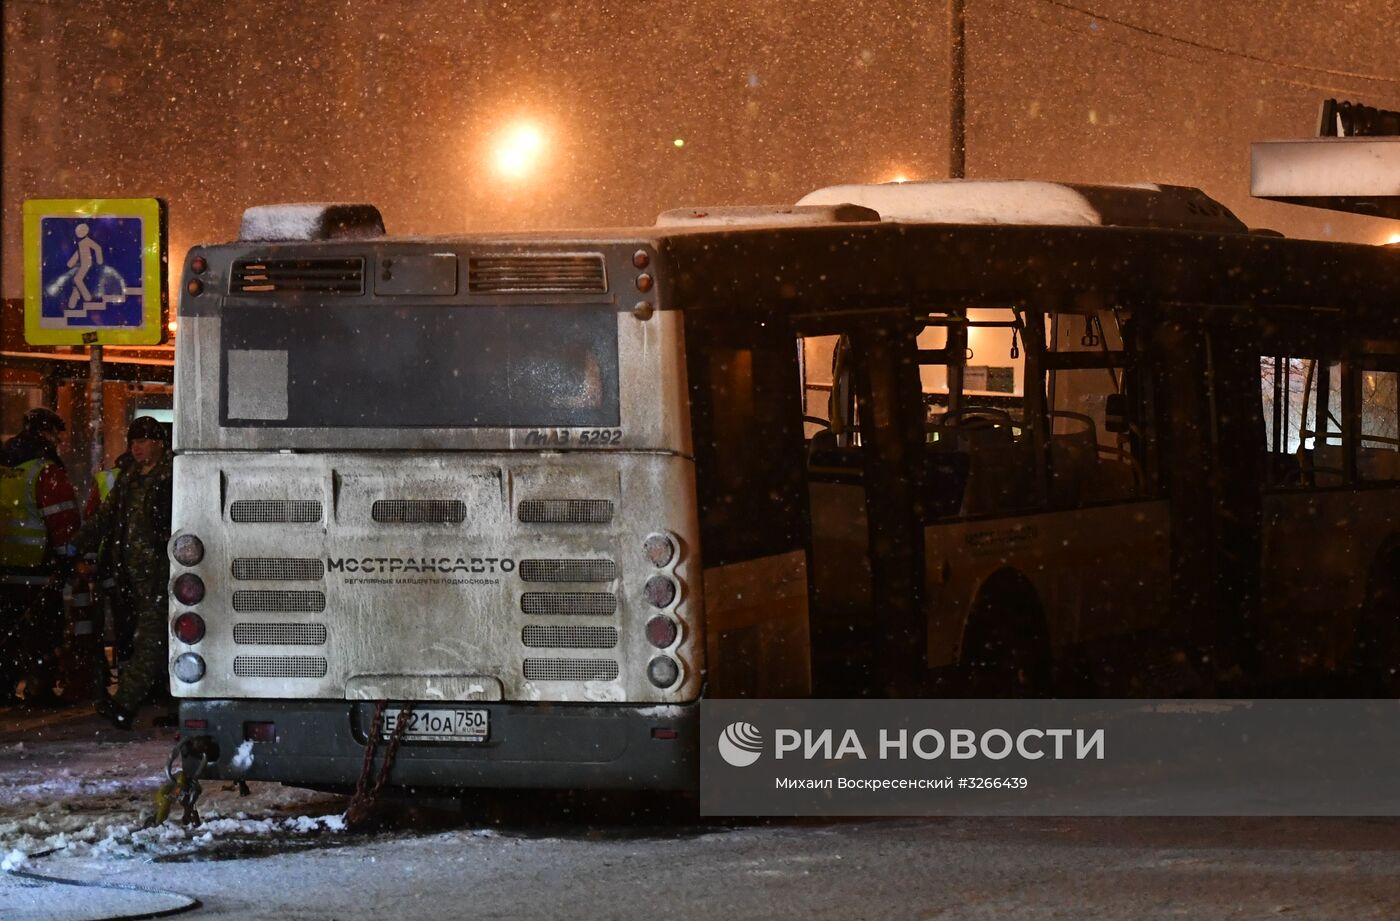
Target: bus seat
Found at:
x=827, y=461
x=1000, y=478
x=1112, y=480
x=1073, y=460
x=945, y=480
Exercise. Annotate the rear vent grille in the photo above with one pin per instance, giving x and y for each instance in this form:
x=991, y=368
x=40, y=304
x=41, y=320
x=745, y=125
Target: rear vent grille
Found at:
x=594, y=603
x=582, y=272
x=568, y=570
x=419, y=511
x=279, y=602
x=570, y=669
x=274, y=511
x=569, y=637
x=278, y=570
x=279, y=666
x=314, y=276
x=566, y=511
x=279, y=634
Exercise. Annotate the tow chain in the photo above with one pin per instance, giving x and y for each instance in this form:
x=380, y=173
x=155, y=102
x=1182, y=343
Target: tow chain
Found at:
x=183, y=784
x=362, y=803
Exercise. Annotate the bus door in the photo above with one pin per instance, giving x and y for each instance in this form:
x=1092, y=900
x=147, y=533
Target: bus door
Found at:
x=747, y=434
x=1045, y=543
x=863, y=424
x=1331, y=455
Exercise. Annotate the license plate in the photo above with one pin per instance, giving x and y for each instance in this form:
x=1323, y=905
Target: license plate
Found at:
x=441, y=725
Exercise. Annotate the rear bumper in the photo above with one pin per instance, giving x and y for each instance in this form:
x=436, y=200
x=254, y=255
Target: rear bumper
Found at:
x=550, y=746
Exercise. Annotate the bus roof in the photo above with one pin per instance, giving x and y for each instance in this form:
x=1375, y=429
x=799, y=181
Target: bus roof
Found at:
x=961, y=201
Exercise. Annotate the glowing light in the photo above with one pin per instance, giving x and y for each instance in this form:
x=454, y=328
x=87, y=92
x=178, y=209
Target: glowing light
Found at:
x=898, y=177
x=1393, y=239
x=679, y=142
x=519, y=151
x=173, y=325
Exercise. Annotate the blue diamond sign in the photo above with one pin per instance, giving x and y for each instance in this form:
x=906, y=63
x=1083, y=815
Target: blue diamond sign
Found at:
x=94, y=271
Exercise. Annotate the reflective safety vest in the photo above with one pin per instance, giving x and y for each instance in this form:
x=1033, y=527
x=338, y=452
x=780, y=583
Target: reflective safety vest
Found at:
x=106, y=479
x=23, y=534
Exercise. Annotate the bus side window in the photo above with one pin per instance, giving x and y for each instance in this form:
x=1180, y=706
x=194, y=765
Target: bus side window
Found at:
x=1378, y=458
x=828, y=400
x=1091, y=447
x=744, y=406
x=1281, y=383
x=979, y=457
x=1308, y=420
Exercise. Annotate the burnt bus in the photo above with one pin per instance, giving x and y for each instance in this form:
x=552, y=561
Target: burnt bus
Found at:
x=522, y=500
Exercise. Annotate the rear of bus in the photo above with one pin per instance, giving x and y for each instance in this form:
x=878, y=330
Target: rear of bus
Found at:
x=452, y=476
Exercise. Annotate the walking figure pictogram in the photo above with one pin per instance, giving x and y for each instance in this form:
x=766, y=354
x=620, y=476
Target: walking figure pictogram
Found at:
x=85, y=256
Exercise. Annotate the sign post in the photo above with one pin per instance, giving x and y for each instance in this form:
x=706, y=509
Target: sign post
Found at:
x=95, y=275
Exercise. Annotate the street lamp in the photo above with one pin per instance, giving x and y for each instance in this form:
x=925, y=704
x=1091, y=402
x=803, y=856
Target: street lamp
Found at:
x=518, y=150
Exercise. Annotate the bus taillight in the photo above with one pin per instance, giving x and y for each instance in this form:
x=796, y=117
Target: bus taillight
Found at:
x=187, y=550
x=663, y=671
x=660, y=591
x=189, y=589
x=189, y=628
x=661, y=631
x=660, y=549
x=189, y=667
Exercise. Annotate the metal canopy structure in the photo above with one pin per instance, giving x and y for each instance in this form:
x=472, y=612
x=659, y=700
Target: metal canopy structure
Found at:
x=1356, y=174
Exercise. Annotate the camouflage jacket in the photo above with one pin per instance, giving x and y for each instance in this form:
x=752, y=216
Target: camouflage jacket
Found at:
x=134, y=522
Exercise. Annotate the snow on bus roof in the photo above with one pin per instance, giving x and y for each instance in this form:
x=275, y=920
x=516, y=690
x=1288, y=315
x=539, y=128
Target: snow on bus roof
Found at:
x=766, y=215
x=1033, y=202
x=310, y=221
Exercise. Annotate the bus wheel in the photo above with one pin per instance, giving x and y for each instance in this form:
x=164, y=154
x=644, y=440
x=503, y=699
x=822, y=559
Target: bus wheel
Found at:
x=1376, y=649
x=1006, y=647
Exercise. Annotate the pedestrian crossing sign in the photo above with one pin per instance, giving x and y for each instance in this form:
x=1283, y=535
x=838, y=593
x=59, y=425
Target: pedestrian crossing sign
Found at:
x=94, y=271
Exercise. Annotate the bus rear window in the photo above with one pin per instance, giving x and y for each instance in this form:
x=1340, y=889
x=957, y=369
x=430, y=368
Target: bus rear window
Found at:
x=381, y=366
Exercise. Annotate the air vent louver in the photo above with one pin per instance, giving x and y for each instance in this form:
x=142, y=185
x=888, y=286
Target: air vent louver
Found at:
x=598, y=604
x=570, y=669
x=274, y=511
x=311, y=276
x=419, y=511
x=565, y=272
x=259, y=570
x=279, y=634
x=566, y=511
x=568, y=636
x=568, y=570
x=279, y=666
x=279, y=602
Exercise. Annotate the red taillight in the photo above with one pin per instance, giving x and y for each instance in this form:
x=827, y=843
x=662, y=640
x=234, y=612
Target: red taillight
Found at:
x=196, y=724
x=662, y=733
x=189, y=627
x=198, y=264
x=660, y=591
x=260, y=732
x=189, y=589
x=661, y=632
x=644, y=282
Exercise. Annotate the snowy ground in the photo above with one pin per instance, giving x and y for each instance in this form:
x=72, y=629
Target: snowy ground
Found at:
x=74, y=794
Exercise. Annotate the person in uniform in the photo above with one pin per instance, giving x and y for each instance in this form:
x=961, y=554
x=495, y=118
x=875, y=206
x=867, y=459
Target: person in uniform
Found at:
x=122, y=613
x=38, y=517
x=135, y=523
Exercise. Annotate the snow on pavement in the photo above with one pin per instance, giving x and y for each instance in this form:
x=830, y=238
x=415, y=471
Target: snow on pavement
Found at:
x=72, y=787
